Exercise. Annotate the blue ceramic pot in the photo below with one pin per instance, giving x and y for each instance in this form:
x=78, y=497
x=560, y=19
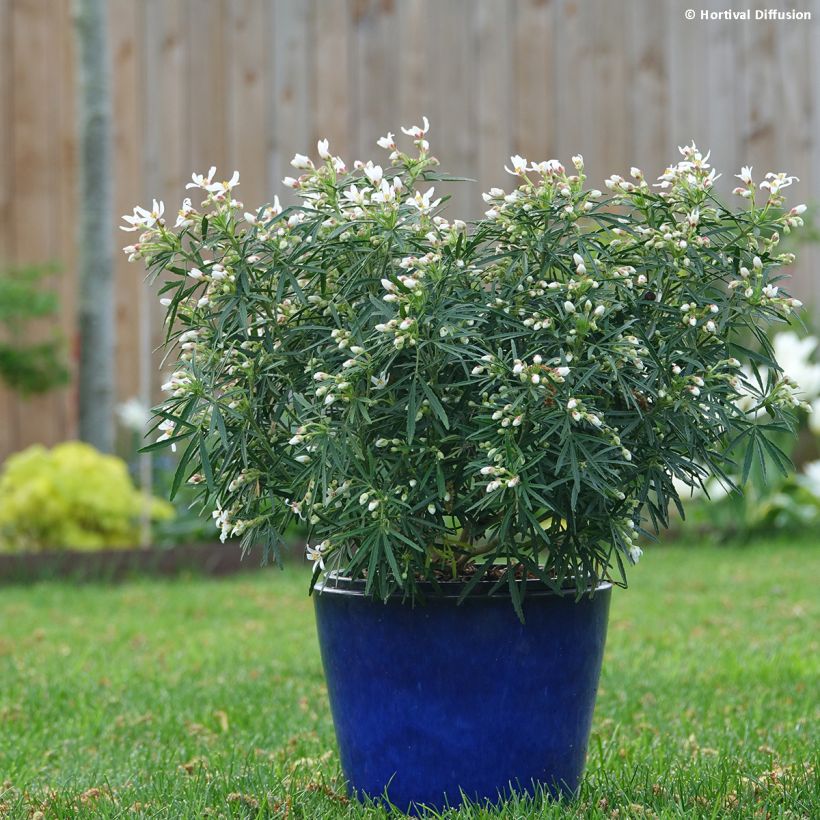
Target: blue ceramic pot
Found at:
x=438, y=700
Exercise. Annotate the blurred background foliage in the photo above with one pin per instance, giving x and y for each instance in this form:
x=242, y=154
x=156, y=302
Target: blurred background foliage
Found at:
x=71, y=497
x=769, y=501
x=30, y=366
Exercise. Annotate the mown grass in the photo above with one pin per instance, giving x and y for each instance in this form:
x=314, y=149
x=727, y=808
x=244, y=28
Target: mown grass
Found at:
x=205, y=698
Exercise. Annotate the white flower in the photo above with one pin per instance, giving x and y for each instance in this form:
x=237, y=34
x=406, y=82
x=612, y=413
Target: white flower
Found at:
x=413, y=131
x=814, y=417
x=745, y=174
x=774, y=182
x=423, y=202
x=379, y=382
x=386, y=192
x=290, y=182
x=635, y=554
x=519, y=166
x=133, y=414
x=548, y=167
x=388, y=142
x=569, y=307
x=142, y=218
x=185, y=214
x=323, y=147
x=221, y=189
x=201, y=181
x=301, y=162
x=354, y=195
x=373, y=173
x=316, y=554
x=810, y=478
x=794, y=355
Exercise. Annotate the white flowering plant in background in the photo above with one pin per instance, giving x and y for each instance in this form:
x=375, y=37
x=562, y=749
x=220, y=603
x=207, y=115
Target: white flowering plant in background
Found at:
x=769, y=501
x=514, y=399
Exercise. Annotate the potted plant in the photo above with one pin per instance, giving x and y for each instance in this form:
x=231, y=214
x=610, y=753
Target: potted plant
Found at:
x=476, y=423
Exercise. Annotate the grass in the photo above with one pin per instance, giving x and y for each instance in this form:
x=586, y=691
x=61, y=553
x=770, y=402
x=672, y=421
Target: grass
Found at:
x=197, y=698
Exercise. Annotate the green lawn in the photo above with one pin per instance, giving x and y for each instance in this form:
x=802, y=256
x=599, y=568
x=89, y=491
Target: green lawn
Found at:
x=205, y=698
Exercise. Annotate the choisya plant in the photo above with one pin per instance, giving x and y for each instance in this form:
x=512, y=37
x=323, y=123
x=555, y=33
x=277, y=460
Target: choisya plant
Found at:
x=508, y=401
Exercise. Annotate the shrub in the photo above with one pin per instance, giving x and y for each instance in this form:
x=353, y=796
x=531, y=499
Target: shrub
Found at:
x=29, y=367
x=70, y=497
x=437, y=402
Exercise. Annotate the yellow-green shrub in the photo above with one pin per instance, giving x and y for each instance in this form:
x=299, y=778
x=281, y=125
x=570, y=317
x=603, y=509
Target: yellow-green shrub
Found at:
x=70, y=497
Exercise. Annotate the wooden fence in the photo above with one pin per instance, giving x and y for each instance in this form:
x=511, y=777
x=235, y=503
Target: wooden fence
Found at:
x=246, y=83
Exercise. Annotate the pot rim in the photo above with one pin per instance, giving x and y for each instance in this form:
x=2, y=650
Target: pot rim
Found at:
x=451, y=589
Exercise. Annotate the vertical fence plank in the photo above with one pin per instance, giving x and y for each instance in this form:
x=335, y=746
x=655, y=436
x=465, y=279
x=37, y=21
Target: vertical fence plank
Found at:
x=568, y=55
x=207, y=84
x=126, y=20
x=8, y=431
x=493, y=42
x=292, y=120
x=650, y=146
x=688, y=83
x=793, y=140
x=33, y=101
x=166, y=97
x=534, y=80
x=65, y=191
x=415, y=79
x=453, y=62
x=375, y=33
x=602, y=92
x=246, y=99
x=722, y=103
x=758, y=93
x=332, y=86
x=810, y=275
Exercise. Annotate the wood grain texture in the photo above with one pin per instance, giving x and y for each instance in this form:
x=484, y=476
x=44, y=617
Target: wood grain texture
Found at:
x=247, y=83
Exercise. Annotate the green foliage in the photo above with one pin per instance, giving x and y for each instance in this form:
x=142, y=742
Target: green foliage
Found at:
x=769, y=501
x=437, y=402
x=28, y=367
x=761, y=509
x=70, y=497
x=198, y=699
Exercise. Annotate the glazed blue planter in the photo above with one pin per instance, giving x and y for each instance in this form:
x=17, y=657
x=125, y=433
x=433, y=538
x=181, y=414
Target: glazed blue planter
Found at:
x=441, y=701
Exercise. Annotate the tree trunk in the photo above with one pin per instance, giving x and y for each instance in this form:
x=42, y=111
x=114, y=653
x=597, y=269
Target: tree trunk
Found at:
x=96, y=245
